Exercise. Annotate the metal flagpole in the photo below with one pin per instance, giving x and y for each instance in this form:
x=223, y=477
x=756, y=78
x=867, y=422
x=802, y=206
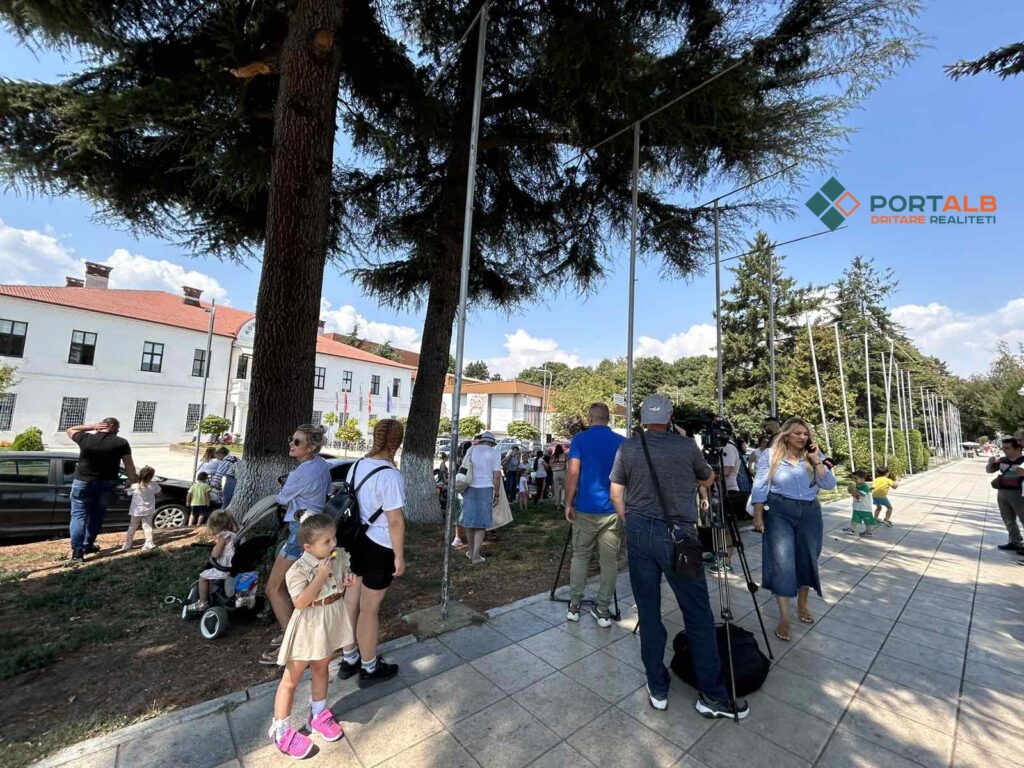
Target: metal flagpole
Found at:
x=718, y=317
x=467, y=240
x=632, y=277
x=871, y=425
x=924, y=419
x=206, y=378
x=771, y=325
x=846, y=409
x=885, y=383
x=817, y=384
x=908, y=415
x=888, y=397
x=901, y=401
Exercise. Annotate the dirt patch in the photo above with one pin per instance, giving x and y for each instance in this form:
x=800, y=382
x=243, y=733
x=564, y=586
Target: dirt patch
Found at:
x=88, y=649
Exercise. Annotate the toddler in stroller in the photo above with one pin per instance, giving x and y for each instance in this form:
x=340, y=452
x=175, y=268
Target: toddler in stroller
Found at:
x=218, y=567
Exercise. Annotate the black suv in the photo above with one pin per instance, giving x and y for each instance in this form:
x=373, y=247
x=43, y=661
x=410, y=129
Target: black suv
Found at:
x=35, y=496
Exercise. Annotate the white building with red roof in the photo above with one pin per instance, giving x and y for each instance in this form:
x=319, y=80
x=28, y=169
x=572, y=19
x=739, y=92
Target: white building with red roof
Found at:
x=84, y=351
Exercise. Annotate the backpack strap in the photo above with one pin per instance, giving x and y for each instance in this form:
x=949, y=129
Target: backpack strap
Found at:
x=373, y=518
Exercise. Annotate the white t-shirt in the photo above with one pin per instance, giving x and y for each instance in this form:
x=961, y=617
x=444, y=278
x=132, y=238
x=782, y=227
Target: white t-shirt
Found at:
x=486, y=461
x=143, y=499
x=385, y=490
x=731, y=458
x=524, y=486
x=226, y=555
x=539, y=467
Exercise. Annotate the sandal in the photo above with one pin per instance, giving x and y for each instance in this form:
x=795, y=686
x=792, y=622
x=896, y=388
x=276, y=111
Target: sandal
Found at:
x=782, y=636
x=806, y=618
x=276, y=642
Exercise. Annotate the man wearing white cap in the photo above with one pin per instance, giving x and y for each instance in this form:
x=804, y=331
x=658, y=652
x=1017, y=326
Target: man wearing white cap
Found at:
x=653, y=487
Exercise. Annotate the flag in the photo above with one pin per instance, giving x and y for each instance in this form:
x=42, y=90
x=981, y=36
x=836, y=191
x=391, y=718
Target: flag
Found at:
x=335, y=401
x=360, y=398
x=389, y=401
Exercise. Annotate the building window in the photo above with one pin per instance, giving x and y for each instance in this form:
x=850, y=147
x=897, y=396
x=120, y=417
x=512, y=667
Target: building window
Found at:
x=243, y=367
x=396, y=387
x=83, y=348
x=145, y=415
x=319, y=377
x=375, y=385
x=192, y=416
x=152, y=357
x=12, y=338
x=316, y=419
x=7, y=410
x=72, y=412
x=346, y=381
x=199, y=364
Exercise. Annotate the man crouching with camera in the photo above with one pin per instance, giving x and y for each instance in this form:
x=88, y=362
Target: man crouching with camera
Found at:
x=653, y=488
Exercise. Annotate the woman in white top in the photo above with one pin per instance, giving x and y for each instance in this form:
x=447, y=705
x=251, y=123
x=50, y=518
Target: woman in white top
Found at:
x=378, y=557
x=484, y=489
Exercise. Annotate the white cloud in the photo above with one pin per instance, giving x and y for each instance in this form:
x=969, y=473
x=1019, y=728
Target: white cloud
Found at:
x=28, y=256
x=526, y=351
x=699, y=339
x=345, y=318
x=132, y=270
x=966, y=341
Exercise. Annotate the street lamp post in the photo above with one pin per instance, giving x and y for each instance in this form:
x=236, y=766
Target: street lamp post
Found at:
x=549, y=377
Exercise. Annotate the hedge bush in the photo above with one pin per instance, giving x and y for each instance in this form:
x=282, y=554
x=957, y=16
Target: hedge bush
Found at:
x=29, y=440
x=896, y=461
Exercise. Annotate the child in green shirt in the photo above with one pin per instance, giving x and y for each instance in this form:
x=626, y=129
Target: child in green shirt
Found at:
x=198, y=500
x=860, y=495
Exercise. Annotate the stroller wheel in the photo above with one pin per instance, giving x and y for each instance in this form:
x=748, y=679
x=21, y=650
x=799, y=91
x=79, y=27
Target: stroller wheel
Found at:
x=214, y=623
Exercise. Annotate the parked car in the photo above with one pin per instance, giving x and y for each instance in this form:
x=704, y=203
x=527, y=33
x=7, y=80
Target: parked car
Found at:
x=35, y=496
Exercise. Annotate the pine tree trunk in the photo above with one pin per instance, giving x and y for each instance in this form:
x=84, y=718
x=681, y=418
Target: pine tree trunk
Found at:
x=288, y=302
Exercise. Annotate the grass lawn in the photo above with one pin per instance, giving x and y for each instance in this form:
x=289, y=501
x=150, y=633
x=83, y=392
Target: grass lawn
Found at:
x=90, y=649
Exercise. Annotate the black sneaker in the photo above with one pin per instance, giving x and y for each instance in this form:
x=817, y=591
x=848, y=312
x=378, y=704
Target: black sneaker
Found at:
x=1009, y=545
x=92, y=549
x=346, y=670
x=710, y=708
x=77, y=555
x=384, y=671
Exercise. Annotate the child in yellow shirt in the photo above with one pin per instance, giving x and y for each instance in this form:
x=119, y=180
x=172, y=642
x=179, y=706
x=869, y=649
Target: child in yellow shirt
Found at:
x=880, y=495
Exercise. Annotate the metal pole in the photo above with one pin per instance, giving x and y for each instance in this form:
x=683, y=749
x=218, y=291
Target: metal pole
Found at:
x=888, y=399
x=885, y=382
x=206, y=378
x=632, y=278
x=771, y=325
x=846, y=409
x=905, y=415
x=924, y=420
x=467, y=240
x=718, y=316
x=871, y=425
x=817, y=384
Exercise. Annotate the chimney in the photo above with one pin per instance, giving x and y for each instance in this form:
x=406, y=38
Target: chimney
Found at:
x=191, y=296
x=320, y=327
x=96, y=275
x=74, y=282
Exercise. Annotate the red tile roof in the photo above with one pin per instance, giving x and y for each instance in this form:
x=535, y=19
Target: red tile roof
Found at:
x=167, y=309
x=405, y=356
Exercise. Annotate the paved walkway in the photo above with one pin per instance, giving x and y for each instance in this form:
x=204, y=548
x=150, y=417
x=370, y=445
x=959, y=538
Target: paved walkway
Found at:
x=916, y=659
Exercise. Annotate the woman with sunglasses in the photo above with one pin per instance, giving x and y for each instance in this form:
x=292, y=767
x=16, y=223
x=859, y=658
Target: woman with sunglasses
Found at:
x=305, y=490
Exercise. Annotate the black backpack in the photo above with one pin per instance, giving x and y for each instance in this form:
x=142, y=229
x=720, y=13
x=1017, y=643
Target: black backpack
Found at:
x=343, y=506
x=750, y=665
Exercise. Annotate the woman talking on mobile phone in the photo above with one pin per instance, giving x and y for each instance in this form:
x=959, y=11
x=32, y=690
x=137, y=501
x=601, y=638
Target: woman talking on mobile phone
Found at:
x=785, y=496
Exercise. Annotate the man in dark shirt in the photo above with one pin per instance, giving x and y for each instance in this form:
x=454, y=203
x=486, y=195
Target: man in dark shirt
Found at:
x=101, y=453
x=653, y=520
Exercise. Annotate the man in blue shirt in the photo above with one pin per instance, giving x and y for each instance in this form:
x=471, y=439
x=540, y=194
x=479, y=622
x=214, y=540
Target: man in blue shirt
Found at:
x=588, y=508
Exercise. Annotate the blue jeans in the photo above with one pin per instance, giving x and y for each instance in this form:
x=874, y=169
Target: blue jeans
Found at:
x=89, y=502
x=229, y=490
x=650, y=557
x=791, y=545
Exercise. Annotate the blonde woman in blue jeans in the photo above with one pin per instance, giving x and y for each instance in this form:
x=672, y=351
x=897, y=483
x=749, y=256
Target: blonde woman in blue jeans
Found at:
x=785, y=496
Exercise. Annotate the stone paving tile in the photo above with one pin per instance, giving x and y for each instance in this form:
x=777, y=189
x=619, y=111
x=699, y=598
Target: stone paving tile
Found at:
x=103, y=759
x=929, y=639
x=871, y=639
x=561, y=703
x=862, y=619
x=616, y=740
x=931, y=711
x=457, y=693
x=519, y=624
x=788, y=727
x=904, y=737
x=847, y=750
x=728, y=745
x=807, y=694
x=627, y=649
x=1007, y=655
x=551, y=611
x=557, y=648
x=440, y=749
x=832, y=673
x=915, y=653
x=474, y=641
x=201, y=744
x=326, y=755
x=606, y=676
x=422, y=660
x=512, y=668
x=989, y=702
x=991, y=736
x=838, y=650
x=562, y=756
x=680, y=723
x=968, y=755
x=384, y=728
x=993, y=677
x=587, y=630
x=921, y=621
x=504, y=736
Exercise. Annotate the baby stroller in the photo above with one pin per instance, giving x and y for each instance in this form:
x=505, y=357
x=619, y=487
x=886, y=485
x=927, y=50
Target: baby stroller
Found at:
x=237, y=597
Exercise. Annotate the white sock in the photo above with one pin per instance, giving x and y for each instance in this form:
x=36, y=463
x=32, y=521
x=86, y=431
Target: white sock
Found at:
x=351, y=657
x=279, y=727
x=371, y=665
x=317, y=706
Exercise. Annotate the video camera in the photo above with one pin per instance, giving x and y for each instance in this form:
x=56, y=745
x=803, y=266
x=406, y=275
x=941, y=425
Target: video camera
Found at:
x=715, y=432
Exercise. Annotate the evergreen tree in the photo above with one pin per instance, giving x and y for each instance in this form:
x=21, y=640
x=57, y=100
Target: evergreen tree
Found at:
x=477, y=370
x=386, y=351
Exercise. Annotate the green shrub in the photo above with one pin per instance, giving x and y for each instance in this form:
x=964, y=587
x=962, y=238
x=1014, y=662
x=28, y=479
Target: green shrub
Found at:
x=896, y=460
x=29, y=440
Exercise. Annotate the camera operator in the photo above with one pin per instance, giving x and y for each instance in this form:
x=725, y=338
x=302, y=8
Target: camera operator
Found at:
x=656, y=498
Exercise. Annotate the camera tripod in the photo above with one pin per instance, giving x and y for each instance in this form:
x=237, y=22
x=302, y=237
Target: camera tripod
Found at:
x=616, y=616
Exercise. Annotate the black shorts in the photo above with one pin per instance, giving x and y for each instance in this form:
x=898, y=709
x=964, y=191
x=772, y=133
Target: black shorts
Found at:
x=374, y=564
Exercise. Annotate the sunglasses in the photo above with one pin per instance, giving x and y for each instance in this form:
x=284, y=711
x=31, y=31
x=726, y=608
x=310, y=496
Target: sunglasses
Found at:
x=297, y=441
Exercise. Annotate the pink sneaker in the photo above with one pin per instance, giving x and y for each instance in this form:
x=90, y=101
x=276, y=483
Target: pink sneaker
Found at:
x=326, y=726
x=292, y=743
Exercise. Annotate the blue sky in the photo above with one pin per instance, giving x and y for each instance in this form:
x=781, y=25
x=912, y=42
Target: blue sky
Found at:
x=920, y=133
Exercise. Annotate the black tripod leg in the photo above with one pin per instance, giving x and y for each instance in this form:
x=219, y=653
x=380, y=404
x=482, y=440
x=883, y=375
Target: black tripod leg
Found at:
x=752, y=586
x=561, y=563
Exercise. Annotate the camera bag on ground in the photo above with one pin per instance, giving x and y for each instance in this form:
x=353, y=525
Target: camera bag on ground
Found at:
x=343, y=506
x=749, y=664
